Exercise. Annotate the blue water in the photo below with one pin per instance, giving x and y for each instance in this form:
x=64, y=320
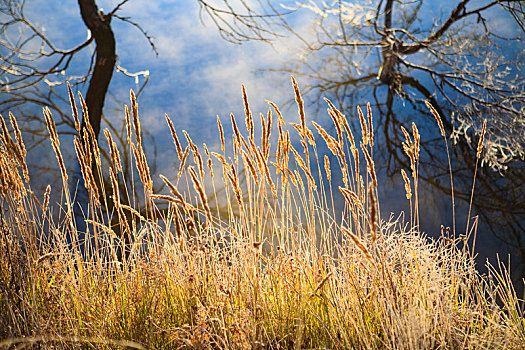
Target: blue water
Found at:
x=197, y=76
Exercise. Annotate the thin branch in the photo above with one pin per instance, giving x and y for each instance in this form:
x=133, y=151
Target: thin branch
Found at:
x=136, y=25
x=122, y=3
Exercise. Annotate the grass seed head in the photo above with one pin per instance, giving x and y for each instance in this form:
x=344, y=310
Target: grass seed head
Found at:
x=176, y=141
x=417, y=140
x=327, y=168
x=73, y=105
x=358, y=243
x=370, y=165
x=370, y=124
x=407, y=184
x=248, y=113
x=438, y=118
x=199, y=188
x=364, y=129
x=481, y=137
x=221, y=133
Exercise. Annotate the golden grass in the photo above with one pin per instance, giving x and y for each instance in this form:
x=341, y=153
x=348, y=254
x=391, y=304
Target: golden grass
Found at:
x=262, y=262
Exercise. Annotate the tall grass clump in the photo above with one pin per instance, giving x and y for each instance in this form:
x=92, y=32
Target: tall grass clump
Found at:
x=242, y=249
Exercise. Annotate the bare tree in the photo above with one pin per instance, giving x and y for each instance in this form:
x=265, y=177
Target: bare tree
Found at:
x=460, y=62
x=28, y=57
x=461, y=59
x=31, y=65
x=398, y=54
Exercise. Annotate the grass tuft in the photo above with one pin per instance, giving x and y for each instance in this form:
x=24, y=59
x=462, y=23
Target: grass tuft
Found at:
x=262, y=262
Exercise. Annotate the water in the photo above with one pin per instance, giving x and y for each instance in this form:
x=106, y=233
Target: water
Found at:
x=198, y=76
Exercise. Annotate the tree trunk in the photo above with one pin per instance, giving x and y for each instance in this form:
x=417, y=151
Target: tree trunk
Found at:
x=388, y=69
x=100, y=27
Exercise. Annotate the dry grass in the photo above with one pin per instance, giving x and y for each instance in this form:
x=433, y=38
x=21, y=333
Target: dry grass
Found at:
x=274, y=269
